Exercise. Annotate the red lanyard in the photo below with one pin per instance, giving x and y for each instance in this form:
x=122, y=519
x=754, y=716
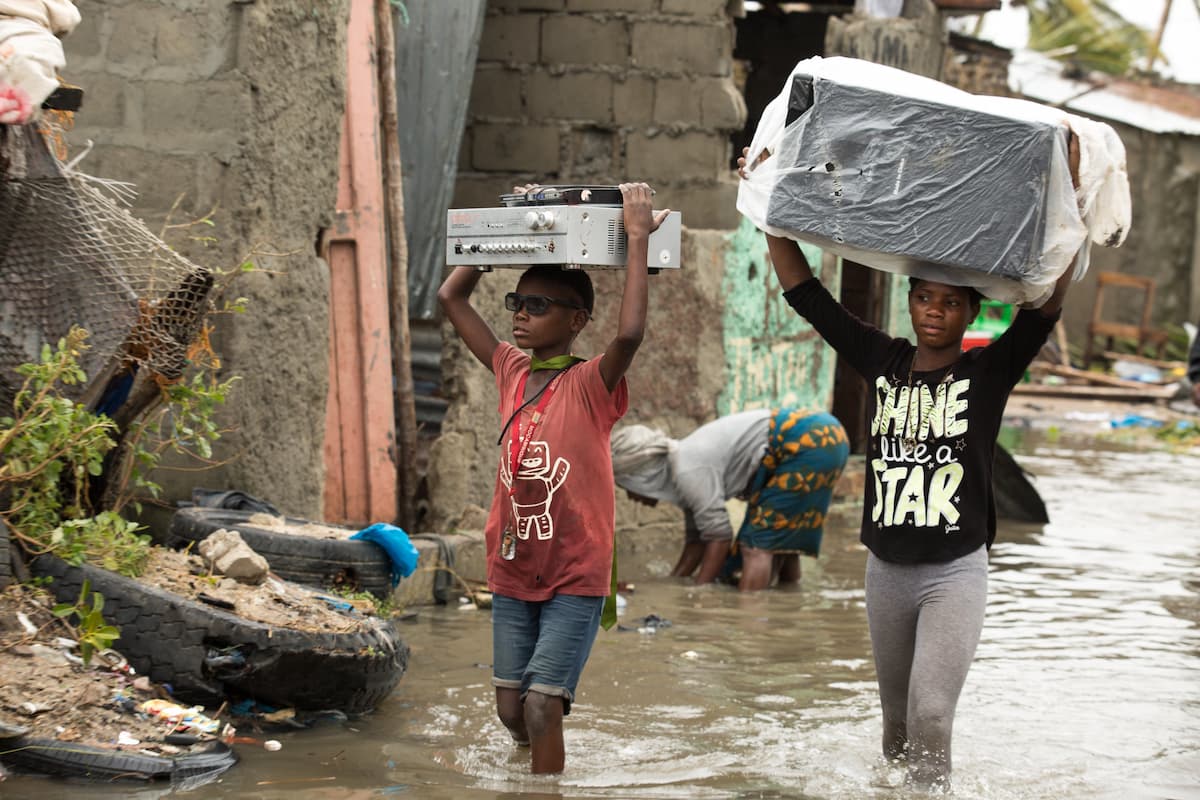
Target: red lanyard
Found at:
x=519, y=443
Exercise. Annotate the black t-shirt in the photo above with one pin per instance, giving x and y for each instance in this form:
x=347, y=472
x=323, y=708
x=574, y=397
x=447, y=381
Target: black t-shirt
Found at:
x=932, y=434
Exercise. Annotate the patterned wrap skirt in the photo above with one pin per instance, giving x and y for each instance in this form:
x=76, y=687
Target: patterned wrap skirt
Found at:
x=789, y=495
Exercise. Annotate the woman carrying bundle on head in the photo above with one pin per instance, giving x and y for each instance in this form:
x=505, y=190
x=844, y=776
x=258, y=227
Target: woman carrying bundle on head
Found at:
x=929, y=514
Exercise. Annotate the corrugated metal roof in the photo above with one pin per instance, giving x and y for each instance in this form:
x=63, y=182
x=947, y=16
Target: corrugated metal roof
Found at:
x=1150, y=107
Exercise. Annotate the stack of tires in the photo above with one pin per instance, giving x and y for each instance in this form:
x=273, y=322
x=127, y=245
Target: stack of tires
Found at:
x=294, y=556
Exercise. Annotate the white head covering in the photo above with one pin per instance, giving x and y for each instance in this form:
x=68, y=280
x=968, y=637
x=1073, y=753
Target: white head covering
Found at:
x=641, y=459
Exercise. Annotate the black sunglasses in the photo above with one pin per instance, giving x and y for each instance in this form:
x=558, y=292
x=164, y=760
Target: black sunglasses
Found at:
x=536, y=304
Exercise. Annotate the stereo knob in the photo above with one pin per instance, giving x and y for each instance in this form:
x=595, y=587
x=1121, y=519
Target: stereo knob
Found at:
x=533, y=220
x=546, y=219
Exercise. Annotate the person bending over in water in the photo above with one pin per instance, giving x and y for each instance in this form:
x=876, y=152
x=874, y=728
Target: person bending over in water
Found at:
x=784, y=462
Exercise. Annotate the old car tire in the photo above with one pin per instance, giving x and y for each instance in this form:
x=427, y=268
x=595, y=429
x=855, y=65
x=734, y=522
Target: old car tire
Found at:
x=299, y=558
x=70, y=760
x=6, y=570
x=170, y=637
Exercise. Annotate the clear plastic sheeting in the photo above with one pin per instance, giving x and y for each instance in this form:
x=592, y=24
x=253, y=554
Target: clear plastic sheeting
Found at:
x=909, y=175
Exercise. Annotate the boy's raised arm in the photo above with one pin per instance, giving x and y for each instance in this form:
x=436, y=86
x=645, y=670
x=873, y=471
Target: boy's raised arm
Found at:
x=454, y=295
x=631, y=324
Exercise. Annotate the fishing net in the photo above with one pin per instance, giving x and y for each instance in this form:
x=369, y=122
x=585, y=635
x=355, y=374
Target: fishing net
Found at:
x=71, y=254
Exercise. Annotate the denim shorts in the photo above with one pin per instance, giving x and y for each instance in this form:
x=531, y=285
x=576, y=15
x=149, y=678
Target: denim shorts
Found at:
x=542, y=646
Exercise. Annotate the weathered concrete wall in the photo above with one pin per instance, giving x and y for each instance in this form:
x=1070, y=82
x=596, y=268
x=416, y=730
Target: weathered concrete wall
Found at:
x=772, y=356
x=914, y=42
x=976, y=67
x=234, y=106
x=603, y=91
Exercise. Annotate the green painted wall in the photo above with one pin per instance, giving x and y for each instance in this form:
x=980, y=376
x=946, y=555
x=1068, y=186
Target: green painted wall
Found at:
x=898, y=322
x=772, y=356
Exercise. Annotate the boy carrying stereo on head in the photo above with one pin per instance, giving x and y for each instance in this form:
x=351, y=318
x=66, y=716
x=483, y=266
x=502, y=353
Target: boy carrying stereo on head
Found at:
x=550, y=529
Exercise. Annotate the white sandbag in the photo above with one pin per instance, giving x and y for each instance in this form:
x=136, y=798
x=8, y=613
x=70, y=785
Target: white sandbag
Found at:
x=908, y=175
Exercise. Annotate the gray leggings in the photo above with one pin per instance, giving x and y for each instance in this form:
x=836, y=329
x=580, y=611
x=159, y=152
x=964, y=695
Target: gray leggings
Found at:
x=925, y=621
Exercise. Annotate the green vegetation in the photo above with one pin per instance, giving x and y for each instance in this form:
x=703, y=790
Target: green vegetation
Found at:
x=91, y=631
x=107, y=540
x=379, y=607
x=53, y=450
x=183, y=424
x=51, y=447
x=1183, y=434
x=1088, y=33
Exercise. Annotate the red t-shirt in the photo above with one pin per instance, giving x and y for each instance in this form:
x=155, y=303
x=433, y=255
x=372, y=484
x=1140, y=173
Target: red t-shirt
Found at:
x=563, y=510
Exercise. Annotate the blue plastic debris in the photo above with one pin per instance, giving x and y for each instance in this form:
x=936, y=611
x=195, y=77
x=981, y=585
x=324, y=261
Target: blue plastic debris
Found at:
x=395, y=542
x=1136, y=421
x=336, y=605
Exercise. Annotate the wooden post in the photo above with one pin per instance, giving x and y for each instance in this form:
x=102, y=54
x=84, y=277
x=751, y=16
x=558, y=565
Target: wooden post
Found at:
x=1156, y=53
x=360, y=424
x=393, y=181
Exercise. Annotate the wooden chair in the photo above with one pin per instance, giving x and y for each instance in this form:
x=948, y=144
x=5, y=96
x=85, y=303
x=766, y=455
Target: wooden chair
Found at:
x=1143, y=333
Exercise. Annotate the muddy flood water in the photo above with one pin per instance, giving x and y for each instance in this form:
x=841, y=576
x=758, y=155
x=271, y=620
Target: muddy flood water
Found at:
x=1086, y=683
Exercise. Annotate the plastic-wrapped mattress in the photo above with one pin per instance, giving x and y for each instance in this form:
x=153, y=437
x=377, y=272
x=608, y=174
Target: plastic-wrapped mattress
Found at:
x=909, y=175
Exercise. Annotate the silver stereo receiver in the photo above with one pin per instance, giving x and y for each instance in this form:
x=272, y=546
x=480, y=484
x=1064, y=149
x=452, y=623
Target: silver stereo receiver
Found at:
x=541, y=229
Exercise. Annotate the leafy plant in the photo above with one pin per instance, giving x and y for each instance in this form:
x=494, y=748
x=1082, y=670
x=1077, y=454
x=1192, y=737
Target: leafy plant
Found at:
x=51, y=446
x=184, y=424
x=107, y=540
x=379, y=607
x=1184, y=433
x=92, y=632
x=182, y=421
x=1090, y=33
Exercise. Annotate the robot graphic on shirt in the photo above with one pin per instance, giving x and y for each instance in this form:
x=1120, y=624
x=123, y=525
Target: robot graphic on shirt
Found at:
x=531, y=503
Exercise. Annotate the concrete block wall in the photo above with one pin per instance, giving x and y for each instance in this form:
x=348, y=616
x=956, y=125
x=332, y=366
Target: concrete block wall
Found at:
x=976, y=66
x=975, y=73
x=234, y=108
x=602, y=91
